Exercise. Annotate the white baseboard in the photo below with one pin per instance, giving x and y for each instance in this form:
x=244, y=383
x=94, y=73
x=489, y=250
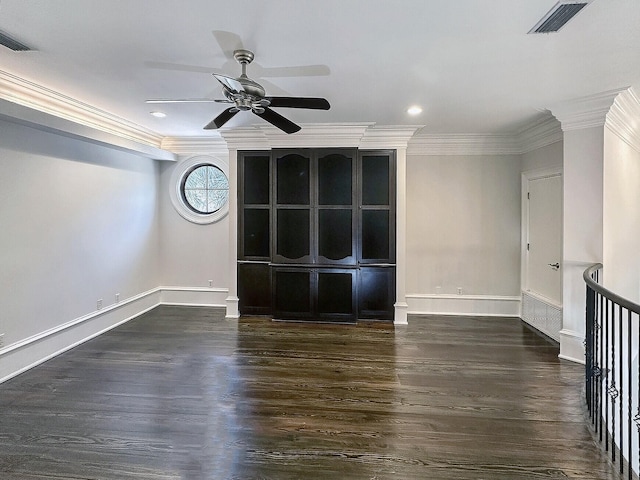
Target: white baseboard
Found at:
x=194, y=296
x=25, y=354
x=571, y=346
x=20, y=356
x=467, y=305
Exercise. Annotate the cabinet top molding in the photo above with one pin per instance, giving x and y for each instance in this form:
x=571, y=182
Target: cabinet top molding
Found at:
x=364, y=135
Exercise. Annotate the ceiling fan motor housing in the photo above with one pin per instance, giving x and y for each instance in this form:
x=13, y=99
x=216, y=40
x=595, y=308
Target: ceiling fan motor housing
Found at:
x=244, y=103
x=248, y=95
x=251, y=88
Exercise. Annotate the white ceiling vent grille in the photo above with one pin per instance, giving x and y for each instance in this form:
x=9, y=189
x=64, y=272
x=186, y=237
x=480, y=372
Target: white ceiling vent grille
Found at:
x=12, y=43
x=558, y=16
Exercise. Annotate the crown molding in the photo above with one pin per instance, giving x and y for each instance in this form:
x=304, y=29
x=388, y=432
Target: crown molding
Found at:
x=317, y=135
x=464, y=144
x=214, y=145
x=388, y=136
x=45, y=122
x=537, y=134
x=358, y=135
x=28, y=94
x=540, y=133
x=585, y=112
x=623, y=118
x=265, y=137
x=245, y=138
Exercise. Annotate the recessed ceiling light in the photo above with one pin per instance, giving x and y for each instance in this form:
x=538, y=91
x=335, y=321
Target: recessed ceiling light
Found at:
x=158, y=114
x=414, y=110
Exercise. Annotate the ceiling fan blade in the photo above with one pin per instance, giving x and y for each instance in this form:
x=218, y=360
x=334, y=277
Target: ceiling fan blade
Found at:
x=228, y=42
x=300, y=102
x=299, y=71
x=179, y=67
x=229, y=83
x=221, y=119
x=188, y=100
x=279, y=121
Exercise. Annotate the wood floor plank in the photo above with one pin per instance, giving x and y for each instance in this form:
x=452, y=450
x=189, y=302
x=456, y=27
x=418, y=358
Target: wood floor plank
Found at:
x=182, y=393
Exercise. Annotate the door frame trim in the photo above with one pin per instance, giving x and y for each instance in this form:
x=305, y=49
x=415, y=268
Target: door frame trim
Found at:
x=524, y=224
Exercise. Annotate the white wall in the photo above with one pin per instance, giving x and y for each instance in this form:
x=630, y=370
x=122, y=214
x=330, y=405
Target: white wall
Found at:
x=463, y=225
x=548, y=157
x=582, y=229
x=79, y=222
x=621, y=217
x=191, y=254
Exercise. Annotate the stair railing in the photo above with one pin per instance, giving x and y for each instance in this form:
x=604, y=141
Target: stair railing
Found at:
x=612, y=376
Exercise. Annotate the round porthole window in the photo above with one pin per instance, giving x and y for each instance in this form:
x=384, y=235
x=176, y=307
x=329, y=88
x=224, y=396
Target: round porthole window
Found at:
x=205, y=189
x=200, y=189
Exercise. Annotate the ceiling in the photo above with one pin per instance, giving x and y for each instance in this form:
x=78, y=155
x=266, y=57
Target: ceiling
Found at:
x=469, y=63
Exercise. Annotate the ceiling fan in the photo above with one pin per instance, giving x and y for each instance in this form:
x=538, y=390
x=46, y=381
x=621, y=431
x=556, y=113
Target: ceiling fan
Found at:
x=245, y=94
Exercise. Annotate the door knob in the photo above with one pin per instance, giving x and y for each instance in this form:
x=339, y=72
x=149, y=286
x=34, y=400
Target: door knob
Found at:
x=555, y=266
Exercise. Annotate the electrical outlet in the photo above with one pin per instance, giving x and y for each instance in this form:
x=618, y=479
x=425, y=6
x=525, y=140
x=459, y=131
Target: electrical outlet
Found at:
x=99, y=304
x=1, y=340
x=117, y=297
x=210, y=283
x=459, y=290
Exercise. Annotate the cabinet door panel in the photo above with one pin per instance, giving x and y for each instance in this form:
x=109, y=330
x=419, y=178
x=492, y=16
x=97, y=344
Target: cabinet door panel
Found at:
x=292, y=185
x=375, y=235
x=376, y=293
x=293, y=235
x=375, y=180
x=335, y=236
x=292, y=295
x=256, y=232
x=254, y=288
x=335, y=180
x=336, y=294
x=256, y=179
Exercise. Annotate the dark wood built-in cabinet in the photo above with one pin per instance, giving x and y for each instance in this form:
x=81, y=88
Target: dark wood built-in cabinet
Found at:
x=316, y=234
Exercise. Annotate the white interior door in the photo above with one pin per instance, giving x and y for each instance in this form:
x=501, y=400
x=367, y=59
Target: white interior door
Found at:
x=544, y=275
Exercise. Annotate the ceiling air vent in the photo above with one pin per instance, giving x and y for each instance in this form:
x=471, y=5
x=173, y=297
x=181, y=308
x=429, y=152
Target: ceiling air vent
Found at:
x=12, y=43
x=558, y=16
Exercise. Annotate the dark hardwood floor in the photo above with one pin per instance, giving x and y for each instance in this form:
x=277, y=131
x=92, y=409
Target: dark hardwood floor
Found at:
x=181, y=393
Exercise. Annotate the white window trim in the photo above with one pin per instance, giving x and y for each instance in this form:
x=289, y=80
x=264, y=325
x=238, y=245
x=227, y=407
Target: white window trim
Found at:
x=177, y=177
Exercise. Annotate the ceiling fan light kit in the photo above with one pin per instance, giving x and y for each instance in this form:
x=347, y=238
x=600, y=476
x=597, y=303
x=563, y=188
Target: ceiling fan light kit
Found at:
x=245, y=94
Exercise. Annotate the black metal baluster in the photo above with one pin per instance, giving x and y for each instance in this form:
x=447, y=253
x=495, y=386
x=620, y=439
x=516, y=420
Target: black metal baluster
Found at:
x=590, y=313
x=598, y=369
x=629, y=398
x=637, y=417
x=605, y=375
x=595, y=414
x=613, y=390
x=596, y=312
x=621, y=345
